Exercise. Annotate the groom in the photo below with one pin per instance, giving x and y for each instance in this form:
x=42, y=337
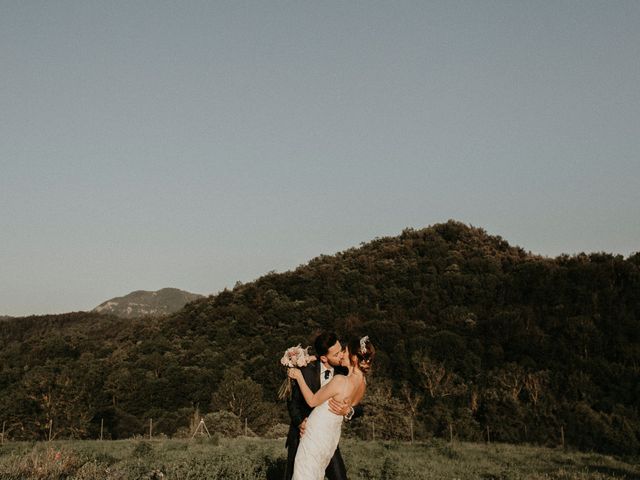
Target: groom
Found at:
x=329, y=353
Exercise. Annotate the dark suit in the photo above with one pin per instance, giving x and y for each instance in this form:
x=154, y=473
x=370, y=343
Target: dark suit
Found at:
x=299, y=410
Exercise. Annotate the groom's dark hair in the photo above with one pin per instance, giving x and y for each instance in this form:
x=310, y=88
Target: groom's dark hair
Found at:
x=324, y=342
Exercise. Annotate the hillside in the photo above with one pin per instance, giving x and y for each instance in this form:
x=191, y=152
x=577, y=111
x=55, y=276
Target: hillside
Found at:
x=143, y=303
x=475, y=338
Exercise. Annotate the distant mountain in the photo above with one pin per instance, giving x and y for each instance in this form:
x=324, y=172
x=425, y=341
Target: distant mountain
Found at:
x=5, y=317
x=143, y=303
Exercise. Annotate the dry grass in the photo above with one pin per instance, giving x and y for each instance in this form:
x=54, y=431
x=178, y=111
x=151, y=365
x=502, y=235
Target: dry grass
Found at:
x=252, y=458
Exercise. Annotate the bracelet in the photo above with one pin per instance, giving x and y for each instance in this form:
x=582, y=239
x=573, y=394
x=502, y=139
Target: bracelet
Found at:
x=349, y=415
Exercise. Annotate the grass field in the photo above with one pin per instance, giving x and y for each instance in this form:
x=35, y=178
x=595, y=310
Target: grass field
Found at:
x=248, y=458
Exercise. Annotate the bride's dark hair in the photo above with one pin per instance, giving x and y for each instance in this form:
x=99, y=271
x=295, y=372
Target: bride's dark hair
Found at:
x=363, y=350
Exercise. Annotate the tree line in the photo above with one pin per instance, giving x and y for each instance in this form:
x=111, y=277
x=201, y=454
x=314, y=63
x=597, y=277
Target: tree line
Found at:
x=476, y=339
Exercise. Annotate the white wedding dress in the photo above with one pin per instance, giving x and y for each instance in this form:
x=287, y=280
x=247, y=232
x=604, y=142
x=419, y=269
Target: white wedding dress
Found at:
x=318, y=444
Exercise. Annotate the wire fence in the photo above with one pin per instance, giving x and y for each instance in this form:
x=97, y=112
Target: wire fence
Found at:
x=199, y=427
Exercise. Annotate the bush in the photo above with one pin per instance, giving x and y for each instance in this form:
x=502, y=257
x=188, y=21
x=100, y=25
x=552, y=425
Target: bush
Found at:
x=589, y=429
x=279, y=430
x=43, y=464
x=142, y=449
x=224, y=423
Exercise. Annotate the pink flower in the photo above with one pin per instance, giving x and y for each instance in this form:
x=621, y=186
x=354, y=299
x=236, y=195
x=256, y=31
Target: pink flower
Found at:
x=295, y=357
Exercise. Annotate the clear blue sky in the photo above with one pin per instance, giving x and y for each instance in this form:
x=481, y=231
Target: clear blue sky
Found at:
x=194, y=144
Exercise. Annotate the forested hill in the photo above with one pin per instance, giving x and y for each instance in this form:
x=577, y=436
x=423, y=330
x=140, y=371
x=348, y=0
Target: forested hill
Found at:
x=475, y=338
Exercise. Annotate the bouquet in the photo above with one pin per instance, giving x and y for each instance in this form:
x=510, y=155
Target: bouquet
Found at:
x=294, y=357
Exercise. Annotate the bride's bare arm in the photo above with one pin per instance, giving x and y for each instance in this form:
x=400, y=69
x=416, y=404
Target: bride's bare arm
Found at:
x=314, y=399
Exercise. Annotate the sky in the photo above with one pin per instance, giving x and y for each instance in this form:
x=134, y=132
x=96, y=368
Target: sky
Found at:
x=195, y=144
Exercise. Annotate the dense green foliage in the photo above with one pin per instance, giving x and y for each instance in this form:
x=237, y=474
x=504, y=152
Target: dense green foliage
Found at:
x=475, y=339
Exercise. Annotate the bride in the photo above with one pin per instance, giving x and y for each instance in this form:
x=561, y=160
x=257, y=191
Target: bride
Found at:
x=322, y=432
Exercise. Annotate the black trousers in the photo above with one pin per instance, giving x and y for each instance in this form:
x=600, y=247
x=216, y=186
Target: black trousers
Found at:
x=335, y=470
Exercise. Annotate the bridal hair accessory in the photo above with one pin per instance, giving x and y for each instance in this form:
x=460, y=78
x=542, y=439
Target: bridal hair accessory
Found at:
x=294, y=357
x=363, y=344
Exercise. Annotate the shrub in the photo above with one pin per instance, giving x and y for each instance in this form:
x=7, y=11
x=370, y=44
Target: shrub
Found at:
x=224, y=423
x=142, y=449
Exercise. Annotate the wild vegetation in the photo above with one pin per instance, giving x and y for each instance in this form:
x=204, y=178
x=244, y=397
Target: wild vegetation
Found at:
x=259, y=459
x=477, y=340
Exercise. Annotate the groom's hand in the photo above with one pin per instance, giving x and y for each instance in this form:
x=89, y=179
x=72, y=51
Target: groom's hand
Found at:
x=302, y=426
x=339, y=408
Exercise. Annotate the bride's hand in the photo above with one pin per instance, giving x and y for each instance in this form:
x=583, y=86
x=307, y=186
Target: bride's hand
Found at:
x=294, y=373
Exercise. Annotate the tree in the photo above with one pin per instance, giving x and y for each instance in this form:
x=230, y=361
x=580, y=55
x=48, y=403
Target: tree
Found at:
x=436, y=380
x=243, y=397
x=384, y=414
x=64, y=400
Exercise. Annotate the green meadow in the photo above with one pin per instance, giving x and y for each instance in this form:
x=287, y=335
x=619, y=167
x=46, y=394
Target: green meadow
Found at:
x=254, y=458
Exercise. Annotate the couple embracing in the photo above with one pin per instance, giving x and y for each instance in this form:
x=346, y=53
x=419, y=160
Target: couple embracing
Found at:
x=324, y=393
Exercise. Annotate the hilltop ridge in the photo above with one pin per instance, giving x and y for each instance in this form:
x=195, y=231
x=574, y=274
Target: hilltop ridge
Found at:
x=145, y=303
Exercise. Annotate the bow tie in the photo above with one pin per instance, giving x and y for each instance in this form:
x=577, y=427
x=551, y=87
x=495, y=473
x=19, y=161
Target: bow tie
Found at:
x=327, y=374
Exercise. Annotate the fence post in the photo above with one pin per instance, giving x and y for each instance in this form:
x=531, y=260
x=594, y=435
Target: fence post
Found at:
x=562, y=435
x=50, y=427
x=488, y=435
x=373, y=430
x=411, y=427
x=101, y=427
x=150, y=428
x=450, y=433
x=3, y=432
x=246, y=428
